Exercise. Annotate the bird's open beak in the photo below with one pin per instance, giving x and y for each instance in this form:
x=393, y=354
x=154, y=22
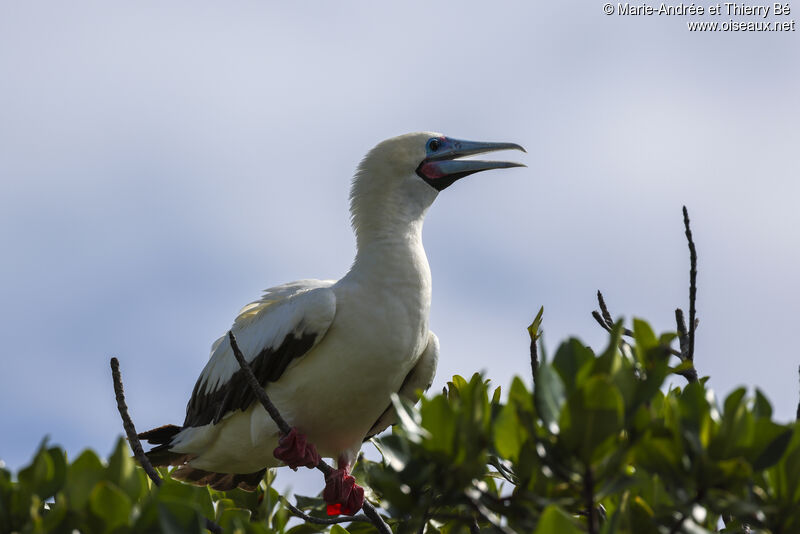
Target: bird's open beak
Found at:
x=441, y=168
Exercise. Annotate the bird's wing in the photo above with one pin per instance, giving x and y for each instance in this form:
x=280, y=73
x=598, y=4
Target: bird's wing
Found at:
x=271, y=332
x=419, y=378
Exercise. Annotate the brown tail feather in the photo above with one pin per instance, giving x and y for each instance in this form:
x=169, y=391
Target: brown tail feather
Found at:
x=218, y=481
x=160, y=435
x=161, y=456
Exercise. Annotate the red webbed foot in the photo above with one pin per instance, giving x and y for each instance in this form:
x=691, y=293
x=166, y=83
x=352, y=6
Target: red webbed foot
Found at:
x=294, y=450
x=342, y=493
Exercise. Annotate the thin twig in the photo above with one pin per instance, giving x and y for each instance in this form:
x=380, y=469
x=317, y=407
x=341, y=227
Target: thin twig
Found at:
x=127, y=424
x=606, y=321
x=683, y=334
x=600, y=321
x=257, y=389
x=534, y=359
x=133, y=437
x=604, y=309
x=625, y=331
x=534, y=330
x=692, y=282
x=683, y=338
x=262, y=396
x=322, y=520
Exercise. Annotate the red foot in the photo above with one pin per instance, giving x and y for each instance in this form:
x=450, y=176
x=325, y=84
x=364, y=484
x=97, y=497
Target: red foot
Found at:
x=342, y=493
x=294, y=450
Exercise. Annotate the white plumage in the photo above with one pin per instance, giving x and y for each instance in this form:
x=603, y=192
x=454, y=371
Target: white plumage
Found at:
x=330, y=353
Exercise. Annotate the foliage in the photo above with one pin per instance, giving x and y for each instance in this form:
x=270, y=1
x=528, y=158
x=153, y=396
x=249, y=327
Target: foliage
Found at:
x=598, y=445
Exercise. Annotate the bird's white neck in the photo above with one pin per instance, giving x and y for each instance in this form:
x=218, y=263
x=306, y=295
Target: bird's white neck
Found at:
x=387, y=214
x=392, y=258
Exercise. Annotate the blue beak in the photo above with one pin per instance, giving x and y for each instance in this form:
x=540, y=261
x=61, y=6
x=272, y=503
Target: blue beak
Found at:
x=441, y=169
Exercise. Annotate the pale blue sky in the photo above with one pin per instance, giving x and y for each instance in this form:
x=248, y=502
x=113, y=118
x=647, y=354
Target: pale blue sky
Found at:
x=162, y=164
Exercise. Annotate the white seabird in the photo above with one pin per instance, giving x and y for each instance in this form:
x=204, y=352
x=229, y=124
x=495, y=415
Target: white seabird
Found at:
x=329, y=353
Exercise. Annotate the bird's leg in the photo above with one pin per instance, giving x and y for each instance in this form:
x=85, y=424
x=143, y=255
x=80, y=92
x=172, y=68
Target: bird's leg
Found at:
x=294, y=450
x=341, y=492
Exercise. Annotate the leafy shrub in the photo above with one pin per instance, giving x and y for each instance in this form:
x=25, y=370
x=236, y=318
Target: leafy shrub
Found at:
x=598, y=445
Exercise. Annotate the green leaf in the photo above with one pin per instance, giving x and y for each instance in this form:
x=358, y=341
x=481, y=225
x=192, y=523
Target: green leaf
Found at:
x=695, y=412
x=52, y=521
x=659, y=455
x=439, y=422
x=179, y=518
x=644, y=336
x=409, y=418
x=762, y=407
x=555, y=521
x=733, y=402
x=110, y=504
x=519, y=395
x=231, y=518
x=594, y=412
x=571, y=357
x=549, y=396
x=338, y=529
x=533, y=329
x=737, y=430
x=306, y=528
x=172, y=491
x=496, y=396
x=641, y=517
x=509, y=434
x=773, y=451
x=457, y=384
x=46, y=473
x=82, y=475
x=122, y=471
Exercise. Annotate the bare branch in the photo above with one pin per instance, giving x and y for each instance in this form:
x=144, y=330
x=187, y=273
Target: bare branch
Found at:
x=600, y=321
x=127, y=424
x=133, y=438
x=322, y=520
x=683, y=338
x=534, y=360
x=692, y=282
x=683, y=334
x=603, y=308
x=256, y=387
x=534, y=330
x=606, y=321
x=262, y=396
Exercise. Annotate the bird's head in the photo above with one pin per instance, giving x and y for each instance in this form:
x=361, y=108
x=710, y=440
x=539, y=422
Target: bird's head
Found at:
x=404, y=174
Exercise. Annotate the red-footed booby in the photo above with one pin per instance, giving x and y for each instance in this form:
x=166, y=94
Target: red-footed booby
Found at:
x=329, y=353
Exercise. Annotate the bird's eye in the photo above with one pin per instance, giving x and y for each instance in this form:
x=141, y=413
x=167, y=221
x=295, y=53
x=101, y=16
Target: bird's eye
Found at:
x=433, y=145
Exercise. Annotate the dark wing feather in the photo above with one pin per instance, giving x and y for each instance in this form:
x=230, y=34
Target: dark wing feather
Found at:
x=284, y=325
x=210, y=407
